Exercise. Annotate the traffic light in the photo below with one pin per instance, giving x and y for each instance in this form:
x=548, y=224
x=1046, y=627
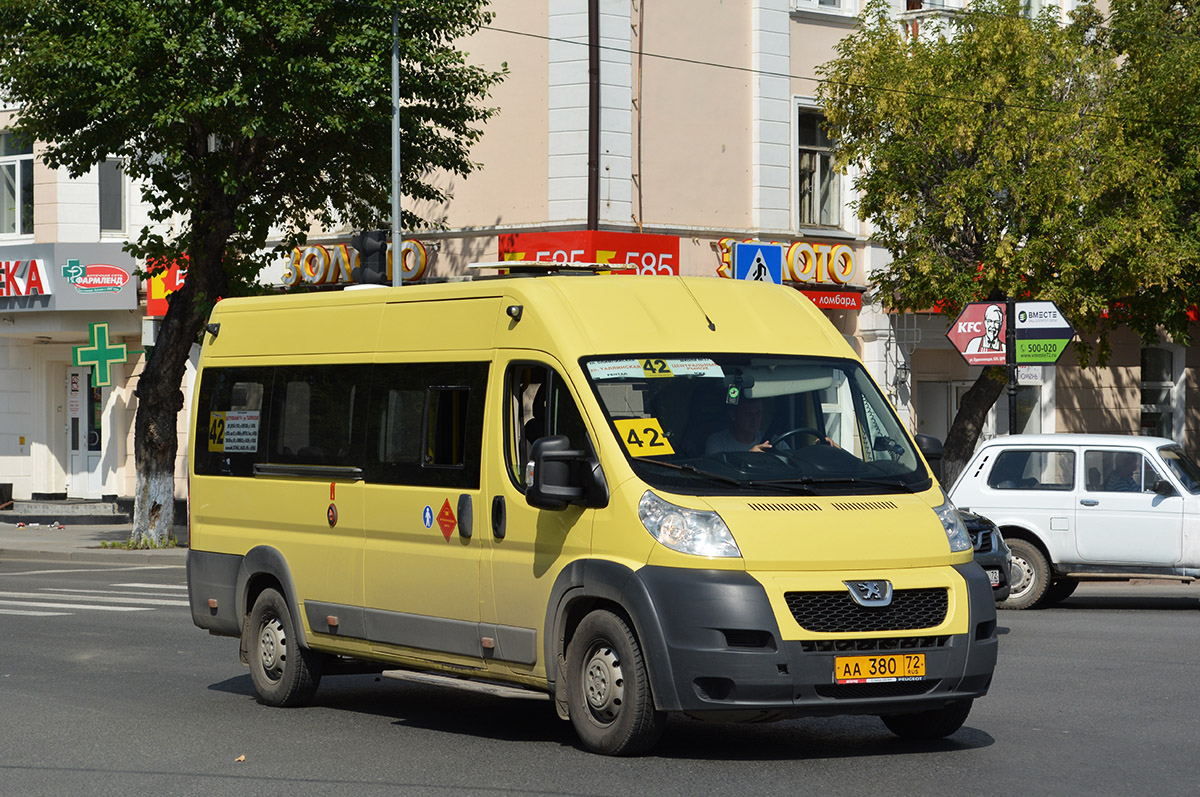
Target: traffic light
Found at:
x=371, y=246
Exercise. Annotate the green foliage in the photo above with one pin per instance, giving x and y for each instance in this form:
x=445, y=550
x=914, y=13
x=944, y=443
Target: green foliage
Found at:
x=260, y=117
x=992, y=163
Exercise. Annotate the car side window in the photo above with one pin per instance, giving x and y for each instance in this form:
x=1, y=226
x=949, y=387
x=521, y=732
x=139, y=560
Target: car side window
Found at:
x=1033, y=469
x=1118, y=471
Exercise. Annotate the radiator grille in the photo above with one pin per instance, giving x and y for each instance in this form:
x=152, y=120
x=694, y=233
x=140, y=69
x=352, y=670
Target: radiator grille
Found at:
x=836, y=612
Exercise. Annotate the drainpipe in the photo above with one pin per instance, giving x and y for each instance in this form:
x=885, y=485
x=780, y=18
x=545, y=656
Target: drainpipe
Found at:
x=593, y=181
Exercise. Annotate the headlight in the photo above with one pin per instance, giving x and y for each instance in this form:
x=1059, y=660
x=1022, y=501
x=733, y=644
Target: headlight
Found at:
x=686, y=530
x=956, y=532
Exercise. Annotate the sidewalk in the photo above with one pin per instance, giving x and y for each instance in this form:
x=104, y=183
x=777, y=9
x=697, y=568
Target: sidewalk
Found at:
x=81, y=543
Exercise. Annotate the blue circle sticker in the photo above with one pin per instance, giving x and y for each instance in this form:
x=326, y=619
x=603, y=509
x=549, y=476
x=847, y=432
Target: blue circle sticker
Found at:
x=427, y=517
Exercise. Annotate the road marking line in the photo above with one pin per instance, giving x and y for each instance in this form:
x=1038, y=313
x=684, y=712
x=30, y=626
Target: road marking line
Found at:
x=26, y=613
x=98, y=598
x=107, y=592
x=83, y=568
x=78, y=606
x=153, y=586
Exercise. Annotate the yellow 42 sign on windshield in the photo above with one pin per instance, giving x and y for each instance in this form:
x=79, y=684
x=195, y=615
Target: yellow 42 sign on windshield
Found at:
x=643, y=437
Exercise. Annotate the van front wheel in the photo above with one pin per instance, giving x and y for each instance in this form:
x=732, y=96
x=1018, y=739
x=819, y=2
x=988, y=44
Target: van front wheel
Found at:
x=925, y=725
x=608, y=690
x=283, y=673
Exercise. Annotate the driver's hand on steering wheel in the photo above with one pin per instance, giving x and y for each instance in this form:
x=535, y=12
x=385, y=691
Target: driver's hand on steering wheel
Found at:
x=765, y=445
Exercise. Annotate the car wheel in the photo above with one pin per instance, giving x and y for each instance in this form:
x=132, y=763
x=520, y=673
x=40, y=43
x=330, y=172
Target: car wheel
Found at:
x=1061, y=589
x=1030, y=576
x=608, y=689
x=283, y=673
x=937, y=723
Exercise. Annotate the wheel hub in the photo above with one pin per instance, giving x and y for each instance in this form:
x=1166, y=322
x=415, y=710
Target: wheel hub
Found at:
x=603, y=683
x=272, y=647
x=1024, y=576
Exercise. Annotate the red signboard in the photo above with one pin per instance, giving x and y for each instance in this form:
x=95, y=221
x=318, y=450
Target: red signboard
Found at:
x=162, y=285
x=645, y=253
x=835, y=300
x=979, y=333
x=446, y=520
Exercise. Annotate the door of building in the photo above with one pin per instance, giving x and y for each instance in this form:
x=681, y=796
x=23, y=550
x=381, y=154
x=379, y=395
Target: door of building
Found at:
x=85, y=419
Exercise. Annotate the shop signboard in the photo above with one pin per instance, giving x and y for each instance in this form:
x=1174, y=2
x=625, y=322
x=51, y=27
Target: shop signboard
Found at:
x=1042, y=333
x=162, y=285
x=643, y=252
x=56, y=277
x=979, y=333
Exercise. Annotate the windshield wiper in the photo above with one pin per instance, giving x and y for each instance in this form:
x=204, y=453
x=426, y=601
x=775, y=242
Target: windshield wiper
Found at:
x=782, y=484
x=849, y=481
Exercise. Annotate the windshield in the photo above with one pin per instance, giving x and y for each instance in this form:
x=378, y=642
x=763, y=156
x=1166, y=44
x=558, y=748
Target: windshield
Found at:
x=1183, y=467
x=736, y=423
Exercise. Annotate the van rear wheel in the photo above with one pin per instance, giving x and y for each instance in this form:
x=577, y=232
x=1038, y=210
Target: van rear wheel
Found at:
x=1030, y=576
x=283, y=673
x=608, y=689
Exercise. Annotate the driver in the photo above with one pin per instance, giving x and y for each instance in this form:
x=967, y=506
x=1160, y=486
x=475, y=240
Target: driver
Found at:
x=744, y=432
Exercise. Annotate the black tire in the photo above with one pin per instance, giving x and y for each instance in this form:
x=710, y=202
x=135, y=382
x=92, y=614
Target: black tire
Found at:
x=608, y=689
x=1030, y=577
x=284, y=673
x=936, y=723
x=1060, y=590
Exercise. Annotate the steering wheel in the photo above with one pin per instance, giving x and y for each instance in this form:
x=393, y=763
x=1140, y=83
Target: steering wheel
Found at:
x=817, y=433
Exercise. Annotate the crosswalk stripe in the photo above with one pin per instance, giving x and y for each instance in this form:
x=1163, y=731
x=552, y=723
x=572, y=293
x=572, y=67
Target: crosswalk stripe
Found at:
x=27, y=613
x=57, y=590
x=77, y=606
x=98, y=598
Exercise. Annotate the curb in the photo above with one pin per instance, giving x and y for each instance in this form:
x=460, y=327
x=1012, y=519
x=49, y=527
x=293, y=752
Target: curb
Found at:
x=167, y=556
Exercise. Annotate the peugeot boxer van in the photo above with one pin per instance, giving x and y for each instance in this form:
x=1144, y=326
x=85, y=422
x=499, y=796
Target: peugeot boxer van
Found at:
x=522, y=481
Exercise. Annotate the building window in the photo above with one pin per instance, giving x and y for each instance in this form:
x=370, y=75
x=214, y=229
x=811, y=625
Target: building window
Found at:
x=819, y=188
x=1158, y=393
x=16, y=185
x=112, y=196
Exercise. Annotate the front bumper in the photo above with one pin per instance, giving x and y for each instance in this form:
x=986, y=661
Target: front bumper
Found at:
x=722, y=655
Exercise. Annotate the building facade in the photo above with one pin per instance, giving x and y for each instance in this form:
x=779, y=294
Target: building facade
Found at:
x=688, y=129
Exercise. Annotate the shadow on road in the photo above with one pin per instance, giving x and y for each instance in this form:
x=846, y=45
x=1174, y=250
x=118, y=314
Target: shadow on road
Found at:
x=514, y=719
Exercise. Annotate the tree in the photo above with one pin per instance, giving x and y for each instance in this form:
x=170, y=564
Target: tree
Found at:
x=1158, y=98
x=247, y=121
x=990, y=166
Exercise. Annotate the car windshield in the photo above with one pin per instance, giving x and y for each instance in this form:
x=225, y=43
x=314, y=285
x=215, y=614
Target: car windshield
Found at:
x=1182, y=466
x=766, y=425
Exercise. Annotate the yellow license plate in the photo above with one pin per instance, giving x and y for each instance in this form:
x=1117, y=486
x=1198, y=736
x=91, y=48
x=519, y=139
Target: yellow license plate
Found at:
x=875, y=669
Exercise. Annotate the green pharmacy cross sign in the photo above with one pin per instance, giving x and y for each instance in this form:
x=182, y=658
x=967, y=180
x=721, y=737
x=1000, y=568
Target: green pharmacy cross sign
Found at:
x=100, y=354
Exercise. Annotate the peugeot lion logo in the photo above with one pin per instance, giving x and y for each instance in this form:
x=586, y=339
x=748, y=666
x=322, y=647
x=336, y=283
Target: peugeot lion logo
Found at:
x=872, y=594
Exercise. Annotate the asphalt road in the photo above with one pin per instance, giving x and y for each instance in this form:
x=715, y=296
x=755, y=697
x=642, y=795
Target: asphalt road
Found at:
x=107, y=688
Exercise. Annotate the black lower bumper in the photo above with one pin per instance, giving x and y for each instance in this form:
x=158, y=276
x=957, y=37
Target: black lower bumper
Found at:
x=721, y=652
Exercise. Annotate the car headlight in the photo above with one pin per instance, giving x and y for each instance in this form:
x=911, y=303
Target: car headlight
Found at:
x=686, y=530
x=956, y=532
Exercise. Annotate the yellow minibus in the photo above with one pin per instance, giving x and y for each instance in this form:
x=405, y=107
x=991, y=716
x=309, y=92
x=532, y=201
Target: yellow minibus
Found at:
x=642, y=496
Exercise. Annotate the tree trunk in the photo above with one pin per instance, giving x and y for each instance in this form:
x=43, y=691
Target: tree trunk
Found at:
x=968, y=423
x=160, y=397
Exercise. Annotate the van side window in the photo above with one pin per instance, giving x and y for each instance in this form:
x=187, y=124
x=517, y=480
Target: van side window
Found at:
x=231, y=420
x=1033, y=470
x=426, y=424
x=318, y=414
x=539, y=405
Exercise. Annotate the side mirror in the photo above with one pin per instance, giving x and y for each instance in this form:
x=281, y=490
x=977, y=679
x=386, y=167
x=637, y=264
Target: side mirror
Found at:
x=1164, y=488
x=931, y=449
x=562, y=476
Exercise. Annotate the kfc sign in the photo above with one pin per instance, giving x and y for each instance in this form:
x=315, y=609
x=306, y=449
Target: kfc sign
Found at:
x=979, y=333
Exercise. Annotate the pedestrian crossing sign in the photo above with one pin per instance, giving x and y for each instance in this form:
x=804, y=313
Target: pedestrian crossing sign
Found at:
x=758, y=262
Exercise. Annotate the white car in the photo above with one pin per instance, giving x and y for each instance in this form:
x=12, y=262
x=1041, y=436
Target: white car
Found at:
x=1084, y=506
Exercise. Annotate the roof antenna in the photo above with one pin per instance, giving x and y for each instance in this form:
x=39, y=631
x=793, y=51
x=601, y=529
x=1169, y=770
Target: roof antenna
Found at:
x=712, y=327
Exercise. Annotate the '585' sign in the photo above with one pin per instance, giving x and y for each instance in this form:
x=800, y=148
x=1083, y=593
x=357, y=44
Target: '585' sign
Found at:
x=640, y=252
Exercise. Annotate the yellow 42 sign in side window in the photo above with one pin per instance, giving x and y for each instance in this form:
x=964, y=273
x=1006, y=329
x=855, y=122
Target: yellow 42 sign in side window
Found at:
x=643, y=437
x=216, y=431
